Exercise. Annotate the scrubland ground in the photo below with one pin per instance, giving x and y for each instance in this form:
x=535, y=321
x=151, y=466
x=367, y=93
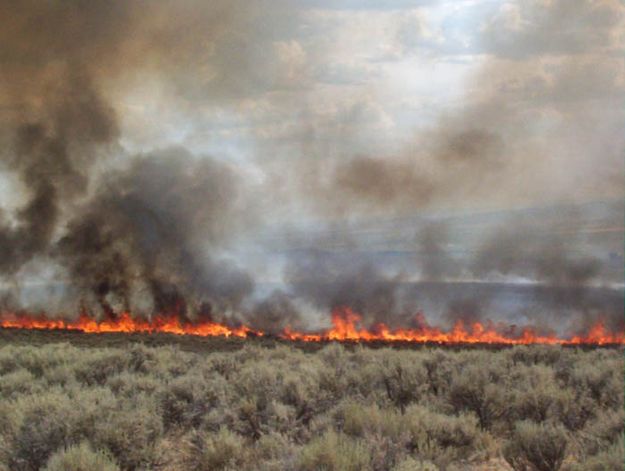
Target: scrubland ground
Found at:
x=70, y=408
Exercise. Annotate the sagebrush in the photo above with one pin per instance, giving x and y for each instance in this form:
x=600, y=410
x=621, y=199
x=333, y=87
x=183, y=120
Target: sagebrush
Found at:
x=531, y=408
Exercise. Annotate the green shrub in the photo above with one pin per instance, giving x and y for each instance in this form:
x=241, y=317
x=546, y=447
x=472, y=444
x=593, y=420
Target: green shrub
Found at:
x=439, y=371
x=603, y=379
x=19, y=382
x=94, y=369
x=441, y=438
x=80, y=458
x=382, y=430
x=609, y=459
x=281, y=408
x=535, y=393
x=475, y=389
x=60, y=375
x=334, y=452
x=272, y=447
x=362, y=420
x=573, y=408
x=529, y=355
x=221, y=451
x=404, y=380
x=602, y=432
x=536, y=447
x=47, y=422
x=186, y=400
x=131, y=434
x=410, y=464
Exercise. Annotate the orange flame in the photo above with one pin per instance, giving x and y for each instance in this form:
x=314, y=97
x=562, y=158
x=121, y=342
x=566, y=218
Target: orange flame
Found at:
x=128, y=324
x=346, y=326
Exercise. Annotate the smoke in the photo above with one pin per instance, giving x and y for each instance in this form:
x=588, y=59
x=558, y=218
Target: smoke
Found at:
x=432, y=247
x=536, y=122
x=331, y=281
x=560, y=74
x=570, y=284
x=146, y=238
x=275, y=313
x=145, y=241
x=156, y=232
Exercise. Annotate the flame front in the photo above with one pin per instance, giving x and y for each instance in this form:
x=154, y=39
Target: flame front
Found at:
x=128, y=324
x=346, y=326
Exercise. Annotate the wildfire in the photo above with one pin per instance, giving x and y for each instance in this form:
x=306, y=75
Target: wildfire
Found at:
x=128, y=324
x=346, y=326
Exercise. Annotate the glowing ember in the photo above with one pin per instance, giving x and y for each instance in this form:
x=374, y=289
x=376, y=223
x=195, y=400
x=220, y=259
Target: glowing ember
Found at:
x=346, y=327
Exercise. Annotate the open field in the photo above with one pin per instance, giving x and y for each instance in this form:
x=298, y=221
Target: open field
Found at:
x=71, y=401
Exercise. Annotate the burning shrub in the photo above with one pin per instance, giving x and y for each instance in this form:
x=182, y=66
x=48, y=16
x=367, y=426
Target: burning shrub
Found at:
x=80, y=458
x=536, y=447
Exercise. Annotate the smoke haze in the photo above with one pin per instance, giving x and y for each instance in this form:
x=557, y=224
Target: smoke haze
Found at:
x=267, y=162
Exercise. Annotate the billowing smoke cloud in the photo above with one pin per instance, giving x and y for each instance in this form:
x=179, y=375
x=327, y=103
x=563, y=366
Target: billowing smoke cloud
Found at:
x=52, y=156
x=145, y=241
x=141, y=238
x=151, y=233
x=492, y=152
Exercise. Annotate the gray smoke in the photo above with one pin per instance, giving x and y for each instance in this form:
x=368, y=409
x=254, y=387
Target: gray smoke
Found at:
x=149, y=236
x=145, y=241
x=153, y=233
